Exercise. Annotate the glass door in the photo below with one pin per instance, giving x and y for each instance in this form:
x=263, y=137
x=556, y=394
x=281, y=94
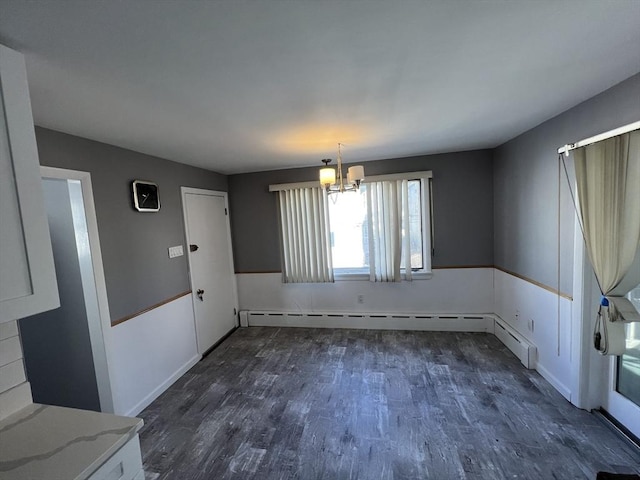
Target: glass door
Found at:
x=623, y=398
x=628, y=368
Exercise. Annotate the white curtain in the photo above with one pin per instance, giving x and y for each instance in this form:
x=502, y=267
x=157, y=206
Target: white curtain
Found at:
x=305, y=235
x=388, y=213
x=608, y=179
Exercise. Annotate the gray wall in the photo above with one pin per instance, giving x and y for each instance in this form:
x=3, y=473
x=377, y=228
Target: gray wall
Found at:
x=463, y=209
x=56, y=344
x=526, y=186
x=138, y=271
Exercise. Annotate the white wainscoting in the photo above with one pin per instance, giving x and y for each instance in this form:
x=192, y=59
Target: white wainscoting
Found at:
x=150, y=352
x=517, y=302
x=468, y=290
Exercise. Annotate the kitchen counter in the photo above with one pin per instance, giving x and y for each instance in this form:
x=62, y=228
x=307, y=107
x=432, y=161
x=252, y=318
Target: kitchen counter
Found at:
x=57, y=443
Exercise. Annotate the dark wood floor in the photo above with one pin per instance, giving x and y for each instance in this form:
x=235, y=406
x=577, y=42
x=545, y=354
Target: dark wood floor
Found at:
x=275, y=403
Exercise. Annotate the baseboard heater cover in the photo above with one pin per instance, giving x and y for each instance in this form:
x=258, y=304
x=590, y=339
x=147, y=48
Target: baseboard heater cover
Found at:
x=515, y=342
x=377, y=321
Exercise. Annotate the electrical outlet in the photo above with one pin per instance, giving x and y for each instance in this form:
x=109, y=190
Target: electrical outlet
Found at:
x=360, y=299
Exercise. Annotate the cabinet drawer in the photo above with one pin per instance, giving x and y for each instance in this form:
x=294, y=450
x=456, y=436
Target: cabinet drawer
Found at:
x=125, y=464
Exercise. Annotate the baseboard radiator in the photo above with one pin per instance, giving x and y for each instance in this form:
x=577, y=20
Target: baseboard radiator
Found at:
x=488, y=323
x=520, y=346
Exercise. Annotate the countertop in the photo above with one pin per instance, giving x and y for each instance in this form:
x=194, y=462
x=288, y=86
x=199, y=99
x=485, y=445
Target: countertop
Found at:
x=57, y=443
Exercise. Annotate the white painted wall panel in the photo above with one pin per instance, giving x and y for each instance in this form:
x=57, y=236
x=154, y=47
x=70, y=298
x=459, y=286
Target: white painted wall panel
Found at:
x=518, y=302
x=467, y=290
x=150, y=352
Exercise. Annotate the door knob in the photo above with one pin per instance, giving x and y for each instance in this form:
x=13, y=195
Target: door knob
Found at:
x=200, y=294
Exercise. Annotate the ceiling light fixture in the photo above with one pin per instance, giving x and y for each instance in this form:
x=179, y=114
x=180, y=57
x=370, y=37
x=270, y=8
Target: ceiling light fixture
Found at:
x=355, y=175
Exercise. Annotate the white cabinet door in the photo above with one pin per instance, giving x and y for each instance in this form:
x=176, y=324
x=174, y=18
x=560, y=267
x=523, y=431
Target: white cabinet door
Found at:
x=27, y=275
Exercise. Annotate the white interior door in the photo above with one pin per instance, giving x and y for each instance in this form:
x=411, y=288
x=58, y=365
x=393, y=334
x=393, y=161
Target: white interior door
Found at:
x=210, y=265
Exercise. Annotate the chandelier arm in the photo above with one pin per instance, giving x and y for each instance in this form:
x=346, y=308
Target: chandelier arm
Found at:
x=341, y=183
x=327, y=175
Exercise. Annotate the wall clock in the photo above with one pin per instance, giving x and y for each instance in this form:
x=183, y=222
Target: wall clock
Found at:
x=145, y=196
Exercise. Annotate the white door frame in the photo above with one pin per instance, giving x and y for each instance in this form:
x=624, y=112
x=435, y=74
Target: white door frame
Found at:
x=184, y=191
x=593, y=375
x=587, y=365
x=617, y=405
x=100, y=330
x=580, y=333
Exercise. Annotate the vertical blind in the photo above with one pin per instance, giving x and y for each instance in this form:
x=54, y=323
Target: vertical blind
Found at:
x=388, y=213
x=305, y=235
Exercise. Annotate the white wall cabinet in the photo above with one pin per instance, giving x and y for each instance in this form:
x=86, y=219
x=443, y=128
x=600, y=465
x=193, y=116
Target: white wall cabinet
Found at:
x=27, y=274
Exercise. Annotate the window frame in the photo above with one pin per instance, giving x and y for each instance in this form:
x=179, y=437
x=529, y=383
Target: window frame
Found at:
x=426, y=210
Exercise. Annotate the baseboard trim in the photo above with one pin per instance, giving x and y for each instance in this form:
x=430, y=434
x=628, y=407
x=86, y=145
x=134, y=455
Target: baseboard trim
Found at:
x=549, y=377
x=160, y=389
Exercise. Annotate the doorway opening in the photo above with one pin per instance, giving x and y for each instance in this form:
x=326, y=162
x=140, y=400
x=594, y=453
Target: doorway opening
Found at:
x=65, y=349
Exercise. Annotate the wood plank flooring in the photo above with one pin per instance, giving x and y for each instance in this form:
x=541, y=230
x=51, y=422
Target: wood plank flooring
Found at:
x=276, y=403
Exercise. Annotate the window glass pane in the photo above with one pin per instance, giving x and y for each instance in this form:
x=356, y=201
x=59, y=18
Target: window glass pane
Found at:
x=628, y=382
x=349, y=230
x=349, y=239
x=415, y=226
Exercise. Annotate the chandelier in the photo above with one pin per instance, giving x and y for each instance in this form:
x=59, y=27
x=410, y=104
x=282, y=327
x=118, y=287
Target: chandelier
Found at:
x=328, y=181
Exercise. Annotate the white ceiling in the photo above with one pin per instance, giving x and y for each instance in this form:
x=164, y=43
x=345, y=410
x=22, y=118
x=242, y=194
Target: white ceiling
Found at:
x=237, y=85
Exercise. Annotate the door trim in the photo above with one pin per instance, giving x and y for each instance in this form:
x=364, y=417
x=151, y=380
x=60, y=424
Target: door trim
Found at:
x=617, y=405
x=100, y=349
x=184, y=191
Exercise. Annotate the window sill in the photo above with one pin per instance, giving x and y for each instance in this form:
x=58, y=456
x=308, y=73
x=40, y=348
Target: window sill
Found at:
x=350, y=277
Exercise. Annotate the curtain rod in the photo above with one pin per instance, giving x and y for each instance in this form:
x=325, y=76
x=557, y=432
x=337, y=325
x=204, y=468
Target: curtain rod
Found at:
x=597, y=138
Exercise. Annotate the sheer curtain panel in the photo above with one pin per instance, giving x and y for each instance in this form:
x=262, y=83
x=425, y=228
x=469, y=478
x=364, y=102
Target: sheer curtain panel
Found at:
x=608, y=179
x=305, y=235
x=388, y=212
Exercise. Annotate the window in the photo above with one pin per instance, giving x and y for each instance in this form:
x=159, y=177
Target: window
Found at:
x=381, y=232
x=350, y=227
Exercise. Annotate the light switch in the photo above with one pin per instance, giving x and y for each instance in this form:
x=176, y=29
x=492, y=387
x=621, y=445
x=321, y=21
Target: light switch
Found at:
x=176, y=251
